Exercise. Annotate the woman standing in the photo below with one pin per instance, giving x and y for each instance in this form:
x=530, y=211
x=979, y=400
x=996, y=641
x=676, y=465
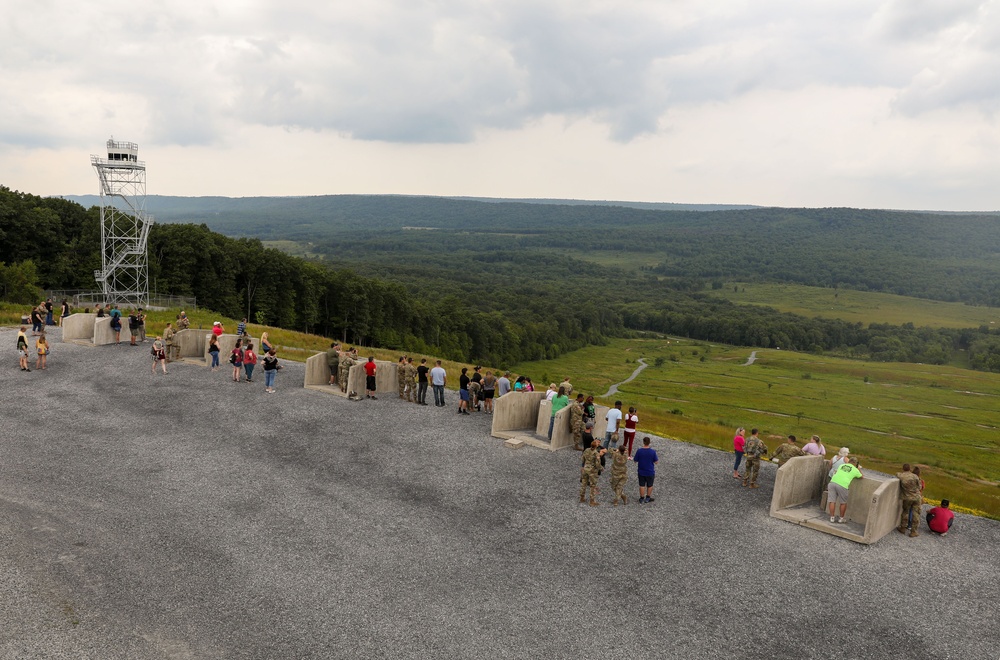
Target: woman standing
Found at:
x=42, y=346
x=489, y=389
x=738, y=443
x=236, y=359
x=265, y=343
x=213, y=350
x=64, y=312
x=271, y=367
x=249, y=361
x=159, y=354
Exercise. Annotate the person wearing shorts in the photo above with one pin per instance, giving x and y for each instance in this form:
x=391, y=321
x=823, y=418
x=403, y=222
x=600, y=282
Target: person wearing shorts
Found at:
x=840, y=484
x=646, y=460
x=370, y=378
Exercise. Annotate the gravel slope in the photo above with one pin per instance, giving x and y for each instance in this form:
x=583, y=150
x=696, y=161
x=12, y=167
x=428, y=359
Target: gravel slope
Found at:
x=186, y=516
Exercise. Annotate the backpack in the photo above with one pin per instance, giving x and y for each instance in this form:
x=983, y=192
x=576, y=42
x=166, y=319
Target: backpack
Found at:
x=232, y=358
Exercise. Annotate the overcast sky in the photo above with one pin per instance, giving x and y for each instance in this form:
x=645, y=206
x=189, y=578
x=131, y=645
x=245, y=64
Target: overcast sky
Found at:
x=774, y=102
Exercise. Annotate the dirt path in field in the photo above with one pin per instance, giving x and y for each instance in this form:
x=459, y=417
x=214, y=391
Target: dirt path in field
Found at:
x=614, y=388
x=751, y=359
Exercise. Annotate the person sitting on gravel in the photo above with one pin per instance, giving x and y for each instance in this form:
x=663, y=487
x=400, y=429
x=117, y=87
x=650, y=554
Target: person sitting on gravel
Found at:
x=940, y=518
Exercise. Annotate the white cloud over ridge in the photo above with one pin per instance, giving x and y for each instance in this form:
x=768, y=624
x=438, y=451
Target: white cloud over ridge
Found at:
x=445, y=72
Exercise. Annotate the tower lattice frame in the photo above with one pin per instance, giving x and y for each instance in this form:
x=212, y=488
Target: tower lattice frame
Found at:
x=124, y=274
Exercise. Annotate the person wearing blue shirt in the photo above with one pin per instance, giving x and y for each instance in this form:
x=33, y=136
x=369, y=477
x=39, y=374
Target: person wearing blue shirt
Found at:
x=646, y=459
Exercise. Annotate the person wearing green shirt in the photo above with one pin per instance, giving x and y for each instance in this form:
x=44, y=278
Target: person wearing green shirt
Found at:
x=559, y=401
x=840, y=482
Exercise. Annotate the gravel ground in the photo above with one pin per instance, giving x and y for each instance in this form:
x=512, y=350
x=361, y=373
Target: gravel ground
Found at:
x=186, y=516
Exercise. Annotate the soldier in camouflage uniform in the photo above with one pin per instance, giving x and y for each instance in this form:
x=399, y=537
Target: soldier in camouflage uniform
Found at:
x=576, y=422
x=411, y=381
x=619, y=474
x=347, y=361
x=591, y=468
x=168, y=339
x=475, y=393
x=787, y=450
x=753, y=450
x=909, y=493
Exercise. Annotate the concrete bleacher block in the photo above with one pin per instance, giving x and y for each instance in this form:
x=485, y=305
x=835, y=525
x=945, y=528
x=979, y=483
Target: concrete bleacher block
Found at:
x=104, y=334
x=386, y=383
x=515, y=413
x=191, y=344
x=79, y=328
x=514, y=443
x=873, y=505
x=226, y=345
x=562, y=433
x=317, y=376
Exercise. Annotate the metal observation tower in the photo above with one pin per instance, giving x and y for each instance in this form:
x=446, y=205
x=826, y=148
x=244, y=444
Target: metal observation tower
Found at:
x=124, y=276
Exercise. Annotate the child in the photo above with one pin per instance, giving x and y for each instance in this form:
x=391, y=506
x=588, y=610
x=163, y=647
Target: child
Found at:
x=22, y=348
x=236, y=359
x=249, y=361
x=43, y=351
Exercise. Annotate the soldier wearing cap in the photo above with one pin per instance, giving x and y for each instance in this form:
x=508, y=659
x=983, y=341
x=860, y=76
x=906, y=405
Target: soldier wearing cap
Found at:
x=590, y=470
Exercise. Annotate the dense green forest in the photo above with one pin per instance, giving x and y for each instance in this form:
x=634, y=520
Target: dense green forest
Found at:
x=506, y=282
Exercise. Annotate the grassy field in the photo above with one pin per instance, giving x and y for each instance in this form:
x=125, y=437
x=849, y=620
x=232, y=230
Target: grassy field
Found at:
x=859, y=306
x=941, y=418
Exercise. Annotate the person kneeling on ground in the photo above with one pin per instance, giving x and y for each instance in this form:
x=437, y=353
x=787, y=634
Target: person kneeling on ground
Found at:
x=646, y=460
x=839, y=485
x=940, y=518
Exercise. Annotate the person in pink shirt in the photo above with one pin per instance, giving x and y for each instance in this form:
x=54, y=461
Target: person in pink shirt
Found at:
x=814, y=447
x=217, y=329
x=940, y=518
x=738, y=443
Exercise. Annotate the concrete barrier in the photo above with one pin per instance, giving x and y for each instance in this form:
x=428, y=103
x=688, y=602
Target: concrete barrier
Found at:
x=873, y=505
x=79, y=328
x=386, y=383
x=515, y=413
x=191, y=344
x=104, y=334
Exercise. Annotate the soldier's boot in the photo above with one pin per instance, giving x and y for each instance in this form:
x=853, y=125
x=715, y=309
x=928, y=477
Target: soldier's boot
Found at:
x=594, y=502
x=913, y=533
x=754, y=486
x=624, y=499
x=901, y=529
x=583, y=491
x=593, y=496
x=745, y=483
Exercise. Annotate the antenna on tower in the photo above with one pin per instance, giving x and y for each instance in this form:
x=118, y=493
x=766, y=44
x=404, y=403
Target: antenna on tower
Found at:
x=124, y=275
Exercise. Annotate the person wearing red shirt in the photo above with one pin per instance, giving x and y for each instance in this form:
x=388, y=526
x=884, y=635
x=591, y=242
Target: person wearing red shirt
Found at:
x=370, y=378
x=940, y=518
x=631, y=421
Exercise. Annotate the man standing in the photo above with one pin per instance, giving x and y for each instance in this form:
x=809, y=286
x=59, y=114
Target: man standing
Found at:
x=410, y=373
x=576, y=422
x=503, y=384
x=241, y=328
x=422, y=372
x=646, y=459
x=347, y=361
x=183, y=323
x=567, y=387
x=439, y=378
x=133, y=326
x=613, y=417
x=588, y=473
x=463, y=392
x=170, y=354
x=370, y=368
x=333, y=362
x=752, y=451
x=837, y=491
x=48, y=312
x=940, y=518
x=141, y=318
x=619, y=475
x=786, y=451
x=909, y=493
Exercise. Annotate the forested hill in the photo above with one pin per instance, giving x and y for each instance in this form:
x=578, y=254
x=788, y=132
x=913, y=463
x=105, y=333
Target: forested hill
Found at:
x=950, y=257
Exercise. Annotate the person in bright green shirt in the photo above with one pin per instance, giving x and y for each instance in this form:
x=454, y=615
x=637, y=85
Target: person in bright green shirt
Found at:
x=840, y=482
x=559, y=401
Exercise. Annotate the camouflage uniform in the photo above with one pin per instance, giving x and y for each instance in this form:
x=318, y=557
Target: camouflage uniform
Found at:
x=567, y=387
x=168, y=339
x=752, y=451
x=401, y=377
x=588, y=473
x=346, y=362
x=411, y=381
x=786, y=451
x=576, y=423
x=909, y=493
x=474, y=393
x=619, y=475
x=183, y=323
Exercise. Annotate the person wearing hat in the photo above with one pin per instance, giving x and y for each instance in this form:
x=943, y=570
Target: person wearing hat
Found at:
x=183, y=322
x=839, y=486
x=218, y=329
x=786, y=451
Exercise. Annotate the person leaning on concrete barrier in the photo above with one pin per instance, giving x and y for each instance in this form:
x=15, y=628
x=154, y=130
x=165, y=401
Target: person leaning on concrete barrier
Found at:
x=347, y=360
x=559, y=401
x=840, y=459
x=909, y=494
x=940, y=518
x=753, y=449
x=786, y=451
x=814, y=447
x=566, y=385
x=839, y=486
x=183, y=322
x=576, y=422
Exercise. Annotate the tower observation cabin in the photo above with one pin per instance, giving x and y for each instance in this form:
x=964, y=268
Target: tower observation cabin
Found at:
x=123, y=276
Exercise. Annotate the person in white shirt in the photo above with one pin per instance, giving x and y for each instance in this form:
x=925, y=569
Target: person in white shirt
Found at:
x=439, y=378
x=551, y=394
x=613, y=417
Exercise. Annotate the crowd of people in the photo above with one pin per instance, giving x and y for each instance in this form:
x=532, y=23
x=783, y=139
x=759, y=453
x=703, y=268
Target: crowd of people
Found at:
x=842, y=470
